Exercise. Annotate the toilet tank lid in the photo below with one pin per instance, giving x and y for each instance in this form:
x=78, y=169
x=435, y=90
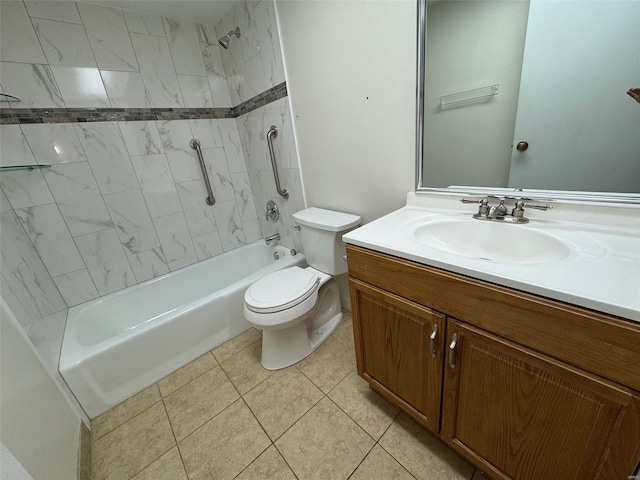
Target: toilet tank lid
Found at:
x=326, y=219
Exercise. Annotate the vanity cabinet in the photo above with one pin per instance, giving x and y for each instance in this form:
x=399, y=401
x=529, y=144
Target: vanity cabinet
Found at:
x=531, y=388
x=400, y=347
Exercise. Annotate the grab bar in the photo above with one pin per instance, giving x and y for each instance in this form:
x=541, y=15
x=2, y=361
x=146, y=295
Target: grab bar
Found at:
x=195, y=144
x=273, y=132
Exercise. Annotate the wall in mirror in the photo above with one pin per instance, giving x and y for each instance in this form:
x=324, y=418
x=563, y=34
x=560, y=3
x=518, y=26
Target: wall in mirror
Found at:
x=560, y=119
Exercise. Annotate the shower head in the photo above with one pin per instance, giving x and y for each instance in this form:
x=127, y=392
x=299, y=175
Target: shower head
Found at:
x=224, y=40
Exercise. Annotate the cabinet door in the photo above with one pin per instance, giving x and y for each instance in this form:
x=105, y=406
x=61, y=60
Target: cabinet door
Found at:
x=522, y=415
x=395, y=352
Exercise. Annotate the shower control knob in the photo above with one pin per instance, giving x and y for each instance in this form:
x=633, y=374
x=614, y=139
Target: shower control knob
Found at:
x=522, y=146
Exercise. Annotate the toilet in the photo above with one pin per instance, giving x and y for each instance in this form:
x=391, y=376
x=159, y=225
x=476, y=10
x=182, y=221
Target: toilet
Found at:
x=298, y=308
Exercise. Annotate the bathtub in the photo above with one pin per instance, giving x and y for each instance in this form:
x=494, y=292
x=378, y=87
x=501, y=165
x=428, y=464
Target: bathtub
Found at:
x=119, y=344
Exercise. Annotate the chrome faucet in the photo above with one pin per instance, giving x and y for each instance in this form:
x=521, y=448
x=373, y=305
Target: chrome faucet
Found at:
x=500, y=212
x=275, y=238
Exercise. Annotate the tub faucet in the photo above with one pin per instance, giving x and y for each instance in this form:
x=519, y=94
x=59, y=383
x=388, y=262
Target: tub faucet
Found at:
x=275, y=238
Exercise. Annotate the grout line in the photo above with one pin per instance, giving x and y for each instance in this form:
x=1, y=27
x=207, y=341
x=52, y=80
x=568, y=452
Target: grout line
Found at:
x=148, y=464
x=353, y=420
x=95, y=59
x=175, y=439
x=190, y=381
x=399, y=462
x=128, y=419
x=363, y=459
x=239, y=351
x=285, y=460
x=253, y=461
x=301, y=417
x=210, y=419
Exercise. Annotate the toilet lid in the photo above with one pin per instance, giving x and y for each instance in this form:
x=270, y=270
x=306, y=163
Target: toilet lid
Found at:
x=281, y=290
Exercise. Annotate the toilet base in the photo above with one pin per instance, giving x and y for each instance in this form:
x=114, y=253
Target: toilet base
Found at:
x=285, y=347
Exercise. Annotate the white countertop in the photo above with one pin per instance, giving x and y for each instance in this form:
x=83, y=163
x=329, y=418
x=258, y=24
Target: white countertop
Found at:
x=601, y=273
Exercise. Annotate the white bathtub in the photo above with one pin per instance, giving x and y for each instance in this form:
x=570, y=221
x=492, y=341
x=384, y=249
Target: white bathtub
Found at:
x=119, y=344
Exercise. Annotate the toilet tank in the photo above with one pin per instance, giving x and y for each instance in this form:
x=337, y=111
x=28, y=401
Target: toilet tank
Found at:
x=321, y=232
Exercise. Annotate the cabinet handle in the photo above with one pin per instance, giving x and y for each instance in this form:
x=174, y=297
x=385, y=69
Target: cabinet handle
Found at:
x=432, y=341
x=452, y=351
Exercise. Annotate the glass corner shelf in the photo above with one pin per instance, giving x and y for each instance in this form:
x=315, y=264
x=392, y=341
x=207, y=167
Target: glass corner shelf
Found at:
x=5, y=168
x=4, y=97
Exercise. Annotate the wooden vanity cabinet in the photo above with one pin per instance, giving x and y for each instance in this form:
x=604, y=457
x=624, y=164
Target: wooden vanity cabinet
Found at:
x=518, y=405
x=524, y=415
x=397, y=355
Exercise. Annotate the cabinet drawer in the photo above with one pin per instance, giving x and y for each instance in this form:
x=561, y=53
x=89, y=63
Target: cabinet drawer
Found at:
x=606, y=345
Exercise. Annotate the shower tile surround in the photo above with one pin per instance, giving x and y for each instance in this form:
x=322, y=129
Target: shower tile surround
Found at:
x=123, y=201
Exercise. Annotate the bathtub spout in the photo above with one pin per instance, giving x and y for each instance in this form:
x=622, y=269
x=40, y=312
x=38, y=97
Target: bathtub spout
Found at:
x=275, y=238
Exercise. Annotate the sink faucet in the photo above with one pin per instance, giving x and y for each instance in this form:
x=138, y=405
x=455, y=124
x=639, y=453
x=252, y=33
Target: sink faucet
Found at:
x=275, y=238
x=500, y=212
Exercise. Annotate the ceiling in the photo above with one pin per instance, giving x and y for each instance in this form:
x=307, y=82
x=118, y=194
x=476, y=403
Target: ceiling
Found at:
x=200, y=11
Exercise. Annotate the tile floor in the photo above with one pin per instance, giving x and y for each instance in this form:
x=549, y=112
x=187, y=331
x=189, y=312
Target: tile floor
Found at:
x=223, y=416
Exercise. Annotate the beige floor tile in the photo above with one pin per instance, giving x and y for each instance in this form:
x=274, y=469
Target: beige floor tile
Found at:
x=124, y=411
x=372, y=412
x=379, y=464
x=132, y=446
x=189, y=372
x=245, y=370
x=344, y=332
x=268, y=466
x=324, y=444
x=197, y=402
x=167, y=467
x=426, y=457
x=282, y=399
x=84, y=453
x=225, y=445
x=329, y=364
x=236, y=344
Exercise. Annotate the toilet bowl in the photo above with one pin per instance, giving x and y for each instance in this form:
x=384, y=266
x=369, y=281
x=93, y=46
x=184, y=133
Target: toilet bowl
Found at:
x=298, y=308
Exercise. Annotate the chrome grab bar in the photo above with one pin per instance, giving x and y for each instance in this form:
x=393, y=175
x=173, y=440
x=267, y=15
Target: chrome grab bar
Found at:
x=195, y=144
x=273, y=132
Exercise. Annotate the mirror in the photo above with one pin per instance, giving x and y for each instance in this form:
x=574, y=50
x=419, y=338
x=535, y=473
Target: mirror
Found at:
x=531, y=95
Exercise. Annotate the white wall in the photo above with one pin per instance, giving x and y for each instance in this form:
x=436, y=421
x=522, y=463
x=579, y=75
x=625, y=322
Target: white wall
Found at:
x=472, y=44
x=350, y=68
x=38, y=425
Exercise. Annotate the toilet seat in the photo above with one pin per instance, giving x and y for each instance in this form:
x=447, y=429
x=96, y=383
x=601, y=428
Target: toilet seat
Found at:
x=281, y=290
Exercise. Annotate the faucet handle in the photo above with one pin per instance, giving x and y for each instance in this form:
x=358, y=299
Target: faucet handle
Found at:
x=483, y=210
x=475, y=200
x=518, y=211
x=538, y=206
x=521, y=204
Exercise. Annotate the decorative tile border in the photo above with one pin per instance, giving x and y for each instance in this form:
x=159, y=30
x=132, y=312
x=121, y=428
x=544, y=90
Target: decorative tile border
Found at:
x=10, y=116
x=260, y=100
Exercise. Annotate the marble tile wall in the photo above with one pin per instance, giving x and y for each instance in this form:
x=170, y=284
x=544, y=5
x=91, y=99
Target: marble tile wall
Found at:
x=253, y=62
x=253, y=128
x=123, y=202
x=97, y=56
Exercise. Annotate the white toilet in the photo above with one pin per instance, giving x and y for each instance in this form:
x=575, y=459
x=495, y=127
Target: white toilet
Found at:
x=298, y=308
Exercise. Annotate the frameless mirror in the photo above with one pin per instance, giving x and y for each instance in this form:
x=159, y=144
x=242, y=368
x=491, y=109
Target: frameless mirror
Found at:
x=530, y=94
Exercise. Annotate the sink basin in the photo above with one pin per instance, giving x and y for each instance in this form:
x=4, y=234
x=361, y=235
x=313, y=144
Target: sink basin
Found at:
x=490, y=241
